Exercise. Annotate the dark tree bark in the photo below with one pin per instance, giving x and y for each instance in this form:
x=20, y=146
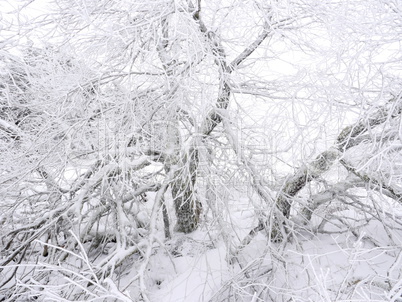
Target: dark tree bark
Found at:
x=294, y=184
x=188, y=208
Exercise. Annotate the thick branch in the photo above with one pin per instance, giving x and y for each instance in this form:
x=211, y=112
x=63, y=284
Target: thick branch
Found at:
x=141, y=190
x=347, y=137
x=214, y=117
x=304, y=175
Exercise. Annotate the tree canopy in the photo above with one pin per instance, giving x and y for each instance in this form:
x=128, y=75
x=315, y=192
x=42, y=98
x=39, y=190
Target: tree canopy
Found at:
x=136, y=135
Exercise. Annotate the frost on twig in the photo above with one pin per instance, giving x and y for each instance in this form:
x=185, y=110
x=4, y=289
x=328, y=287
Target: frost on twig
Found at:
x=104, y=125
x=347, y=139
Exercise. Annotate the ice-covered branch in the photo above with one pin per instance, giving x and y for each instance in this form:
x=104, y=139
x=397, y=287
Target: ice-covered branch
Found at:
x=13, y=130
x=251, y=48
x=297, y=181
x=349, y=136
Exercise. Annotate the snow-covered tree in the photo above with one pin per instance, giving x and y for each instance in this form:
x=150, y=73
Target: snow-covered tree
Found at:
x=138, y=133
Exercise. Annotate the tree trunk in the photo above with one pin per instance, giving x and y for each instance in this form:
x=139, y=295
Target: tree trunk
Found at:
x=187, y=206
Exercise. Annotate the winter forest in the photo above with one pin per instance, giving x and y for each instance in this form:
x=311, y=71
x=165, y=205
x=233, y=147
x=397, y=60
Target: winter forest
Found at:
x=201, y=150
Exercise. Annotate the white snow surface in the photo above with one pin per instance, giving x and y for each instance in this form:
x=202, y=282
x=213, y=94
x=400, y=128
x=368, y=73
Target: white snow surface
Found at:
x=333, y=265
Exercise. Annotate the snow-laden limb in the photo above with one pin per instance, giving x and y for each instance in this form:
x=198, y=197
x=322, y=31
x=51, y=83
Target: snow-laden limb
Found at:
x=140, y=276
x=304, y=175
x=214, y=117
x=51, y=227
x=336, y=191
x=198, y=64
x=265, y=220
x=115, y=292
x=57, y=282
x=187, y=206
x=373, y=183
x=276, y=220
x=81, y=181
x=51, y=182
x=12, y=130
x=349, y=136
x=321, y=164
x=251, y=48
x=33, y=232
x=346, y=140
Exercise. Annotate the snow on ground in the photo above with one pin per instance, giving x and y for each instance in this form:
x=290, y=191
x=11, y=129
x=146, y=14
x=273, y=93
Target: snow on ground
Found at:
x=197, y=277
x=350, y=257
x=312, y=267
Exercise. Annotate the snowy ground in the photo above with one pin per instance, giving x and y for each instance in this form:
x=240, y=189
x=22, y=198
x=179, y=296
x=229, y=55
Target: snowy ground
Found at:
x=332, y=265
x=345, y=256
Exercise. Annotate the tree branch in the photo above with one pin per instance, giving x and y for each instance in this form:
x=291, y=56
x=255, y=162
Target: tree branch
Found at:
x=250, y=49
x=372, y=181
x=323, y=162
x=346, y=138
x=11, y=129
